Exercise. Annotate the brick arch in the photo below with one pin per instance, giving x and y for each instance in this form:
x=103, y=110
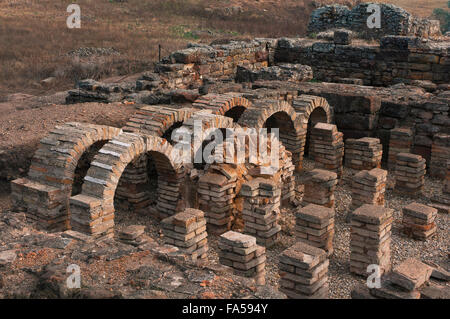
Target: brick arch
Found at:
x=45, y=192
x=229, y=104
x=157, y=120
x=280, y=114
x=93, y=209
x=311, y=110
x=305, y=105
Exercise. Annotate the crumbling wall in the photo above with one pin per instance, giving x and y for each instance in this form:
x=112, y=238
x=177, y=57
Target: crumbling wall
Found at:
x=397, y=59
x=393, y=20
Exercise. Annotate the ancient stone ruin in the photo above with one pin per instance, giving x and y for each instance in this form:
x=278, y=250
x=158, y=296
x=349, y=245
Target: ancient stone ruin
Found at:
x=312, y=114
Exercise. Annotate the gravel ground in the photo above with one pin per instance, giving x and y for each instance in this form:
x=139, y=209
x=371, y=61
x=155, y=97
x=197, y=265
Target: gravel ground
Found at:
x=341, y=282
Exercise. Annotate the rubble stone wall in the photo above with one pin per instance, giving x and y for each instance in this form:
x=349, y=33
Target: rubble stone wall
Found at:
x=396, y=59
x=393, y=20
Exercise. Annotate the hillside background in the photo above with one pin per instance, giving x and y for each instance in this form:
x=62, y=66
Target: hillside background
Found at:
x=36, y=45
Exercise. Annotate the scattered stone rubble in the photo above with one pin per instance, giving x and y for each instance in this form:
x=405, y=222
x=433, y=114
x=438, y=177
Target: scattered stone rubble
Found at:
x=442, y=202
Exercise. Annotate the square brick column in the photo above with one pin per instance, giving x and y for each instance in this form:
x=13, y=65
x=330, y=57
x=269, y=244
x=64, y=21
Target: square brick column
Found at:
x=419, y=221
x=440, y=153
x=241, y=253
x=216, y=199
x=401, y=141
x=363, y=154
x=368, y=187
x=304, y=272
x=327, y=147
x=42, y=203
x=319, y=188
x=315, y=226
x=187, y=231
x=410, y=172
x=370, y=239
x=261, y=210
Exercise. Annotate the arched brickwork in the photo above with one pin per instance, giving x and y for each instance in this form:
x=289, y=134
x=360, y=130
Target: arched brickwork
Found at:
x=281, y=115
x=157, y=120
x=311, y=110
x=229, y=104
x=92, y=211
x=55, y=167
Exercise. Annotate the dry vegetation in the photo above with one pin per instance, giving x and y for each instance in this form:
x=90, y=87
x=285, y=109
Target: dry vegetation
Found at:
x=35, y=40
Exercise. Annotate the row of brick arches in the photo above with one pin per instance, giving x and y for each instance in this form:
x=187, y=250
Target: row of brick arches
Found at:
x=80, y=169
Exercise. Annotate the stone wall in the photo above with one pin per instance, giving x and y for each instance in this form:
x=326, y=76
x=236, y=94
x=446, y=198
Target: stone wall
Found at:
x=393, y=20
x=396, y=59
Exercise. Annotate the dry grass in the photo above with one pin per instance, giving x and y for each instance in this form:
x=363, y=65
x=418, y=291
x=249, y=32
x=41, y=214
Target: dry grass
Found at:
x=34, y=39
x=421, y=8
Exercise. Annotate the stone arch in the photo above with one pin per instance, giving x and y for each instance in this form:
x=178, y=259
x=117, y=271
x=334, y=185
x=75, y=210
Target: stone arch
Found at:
x=279, y=114
x=229, y=104
x=55, y=168
x=158, y=120
x=93, y=209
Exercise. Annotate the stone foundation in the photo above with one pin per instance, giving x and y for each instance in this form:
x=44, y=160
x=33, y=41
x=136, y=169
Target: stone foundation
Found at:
x=410, y=172
x=243, y=255
x=419, y=221
x=370, y=239
x=304, y=272
x=315, y=226
x=363, y=154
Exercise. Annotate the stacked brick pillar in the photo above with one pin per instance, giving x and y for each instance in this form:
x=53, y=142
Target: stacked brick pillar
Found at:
x=243, y=255
x=187, y=230
x=410, y=172
x=368, y=187
x=327, y=147
x=442, y=201
x=419, y=221
x=315, y=226
x=401, y=141
x=370, y=239
x=216, y=195
x=440, y=153
x=304, y=272
x=319, y=188
x=363, y=154
x=261, y=210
